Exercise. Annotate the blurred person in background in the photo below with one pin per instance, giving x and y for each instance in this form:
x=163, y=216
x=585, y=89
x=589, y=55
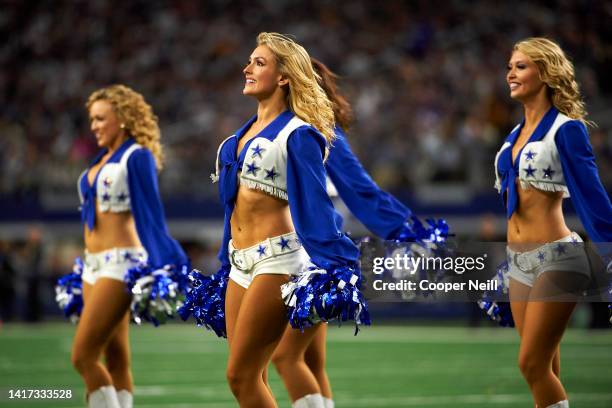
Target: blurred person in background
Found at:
x=7, y=283
x=546, y=158
x=124, y=224
x=33, y=255
x=382, y=213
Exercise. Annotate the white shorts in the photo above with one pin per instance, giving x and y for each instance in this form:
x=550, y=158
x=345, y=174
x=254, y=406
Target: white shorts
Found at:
x=566, y=254
x=112, y=263
x=282, y=255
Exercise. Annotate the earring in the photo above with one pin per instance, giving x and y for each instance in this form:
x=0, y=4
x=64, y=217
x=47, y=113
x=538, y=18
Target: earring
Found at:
x=122, y=126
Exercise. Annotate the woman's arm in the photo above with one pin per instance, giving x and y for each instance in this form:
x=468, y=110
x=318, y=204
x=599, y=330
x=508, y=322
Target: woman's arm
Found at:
x=148, y=211
x=378, y=210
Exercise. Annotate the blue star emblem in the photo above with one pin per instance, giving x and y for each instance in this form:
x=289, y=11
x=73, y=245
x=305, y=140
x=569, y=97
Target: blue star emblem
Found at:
x=530, y=171
x=107, y=182
x=122, y=196
x=574, y=241
x=530, y=155
x=284, y=243
x=252, y=169
x=560, y=249
x=261, y=250
x=107, y=258
x=257, y=151
x=548, y=173
x=271, y=174
x=127, y=256
x=105, y=197
x=541, y=256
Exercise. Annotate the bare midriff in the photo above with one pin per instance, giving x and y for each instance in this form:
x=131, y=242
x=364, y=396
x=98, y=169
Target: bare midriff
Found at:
x=258, y=216
x=112, y=230
x=538, y=219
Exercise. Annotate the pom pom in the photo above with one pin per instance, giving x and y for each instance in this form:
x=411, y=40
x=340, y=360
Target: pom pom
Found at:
x=416, y=239
x=69, y=292
x=323, y=295
x=413, y=230
x=156, y=293
x=205, y=300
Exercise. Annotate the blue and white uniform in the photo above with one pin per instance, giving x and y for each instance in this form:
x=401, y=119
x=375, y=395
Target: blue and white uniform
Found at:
x=128, y=182
x=557, y=157
x=156, y=272
x=286, y=160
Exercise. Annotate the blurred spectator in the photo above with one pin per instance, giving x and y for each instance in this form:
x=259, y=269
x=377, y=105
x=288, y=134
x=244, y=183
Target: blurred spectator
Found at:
x=32, y=254
x=7, y=284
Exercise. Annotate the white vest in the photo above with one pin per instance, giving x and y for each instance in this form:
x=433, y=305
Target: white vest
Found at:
x=265, y=163
x=112, y=190
x=539, y=163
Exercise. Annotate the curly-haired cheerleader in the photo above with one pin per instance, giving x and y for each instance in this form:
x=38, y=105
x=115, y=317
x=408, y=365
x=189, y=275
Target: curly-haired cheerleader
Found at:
x=124, y=225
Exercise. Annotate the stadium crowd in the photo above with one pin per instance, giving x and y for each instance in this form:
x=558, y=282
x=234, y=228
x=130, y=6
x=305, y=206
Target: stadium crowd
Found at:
x=427, y=82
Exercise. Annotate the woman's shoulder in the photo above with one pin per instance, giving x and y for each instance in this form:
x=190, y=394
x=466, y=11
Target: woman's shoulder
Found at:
x=306, y=133
x=572, y=132
x=139, y=156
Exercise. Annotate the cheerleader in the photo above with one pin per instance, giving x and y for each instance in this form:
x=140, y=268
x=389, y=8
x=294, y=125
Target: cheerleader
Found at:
x=124, y=226
x=382, y=213
x=279, y=220
x=546, y=158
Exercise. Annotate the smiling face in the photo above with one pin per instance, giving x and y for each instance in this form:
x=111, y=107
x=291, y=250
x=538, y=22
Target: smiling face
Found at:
x=106, y=125
x=262, y=76
x=523, y=77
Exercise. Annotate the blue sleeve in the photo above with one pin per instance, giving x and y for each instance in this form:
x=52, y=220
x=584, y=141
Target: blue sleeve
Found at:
x=378, y=210
x=148, y=211
x=580, y=172
x=312, y=211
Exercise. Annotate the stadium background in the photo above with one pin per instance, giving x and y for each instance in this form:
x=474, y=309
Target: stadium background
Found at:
x=426, y=81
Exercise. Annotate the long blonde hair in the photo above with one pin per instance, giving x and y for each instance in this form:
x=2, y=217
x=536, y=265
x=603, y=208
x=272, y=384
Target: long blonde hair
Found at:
x=557, y=72
x=305, y=96
x=135, y=114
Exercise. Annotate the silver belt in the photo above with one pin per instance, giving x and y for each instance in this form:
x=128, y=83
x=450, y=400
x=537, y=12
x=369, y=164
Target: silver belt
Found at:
x=550, y=252
x=114, y=256
x=245, y=259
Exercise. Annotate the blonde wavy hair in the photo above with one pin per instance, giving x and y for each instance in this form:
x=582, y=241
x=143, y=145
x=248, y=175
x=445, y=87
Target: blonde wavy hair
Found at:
x=557, y=72
x=136, y=114
x=305, y=96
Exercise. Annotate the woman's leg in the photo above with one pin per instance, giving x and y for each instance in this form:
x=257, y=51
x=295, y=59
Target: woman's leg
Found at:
x=543, y=328
x=316, y=359
x=520, y=292
x=289, y=360
x=254, y=332
x=105, y=305
x=117, y=356
x=118, y=362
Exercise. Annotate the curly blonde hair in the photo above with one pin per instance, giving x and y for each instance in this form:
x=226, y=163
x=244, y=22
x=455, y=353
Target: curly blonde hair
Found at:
x=137, y=116
x=557, y=72
x=305, y=96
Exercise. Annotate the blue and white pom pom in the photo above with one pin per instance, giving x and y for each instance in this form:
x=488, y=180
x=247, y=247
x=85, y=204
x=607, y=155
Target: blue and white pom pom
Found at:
x=156, y=293
x=69, y=292
x=498, y=311
x=413, y=230
x=416, y=239
x=205, y=300
x=320, y=295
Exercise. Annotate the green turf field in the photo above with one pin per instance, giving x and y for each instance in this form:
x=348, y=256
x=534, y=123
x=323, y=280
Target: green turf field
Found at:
x=400, y=366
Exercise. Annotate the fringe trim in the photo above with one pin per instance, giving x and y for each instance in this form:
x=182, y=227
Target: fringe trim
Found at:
x=266, y=188
x=541, y=185
x=214, y=177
